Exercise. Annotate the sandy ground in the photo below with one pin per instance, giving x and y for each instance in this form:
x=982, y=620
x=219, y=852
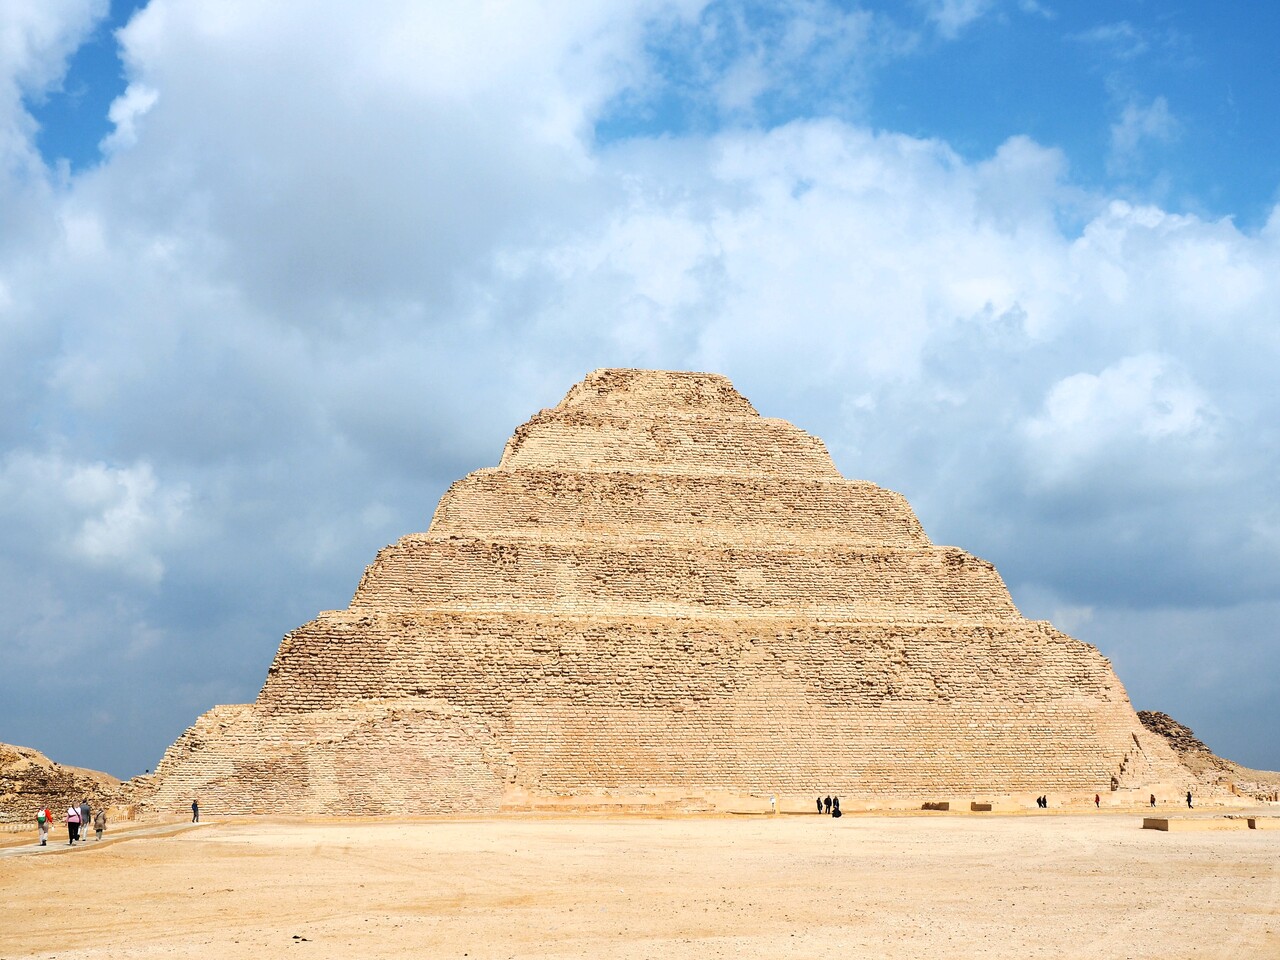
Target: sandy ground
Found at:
x=938, y=887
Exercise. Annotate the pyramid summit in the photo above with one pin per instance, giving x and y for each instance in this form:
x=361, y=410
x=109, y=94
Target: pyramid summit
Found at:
x=657, y=598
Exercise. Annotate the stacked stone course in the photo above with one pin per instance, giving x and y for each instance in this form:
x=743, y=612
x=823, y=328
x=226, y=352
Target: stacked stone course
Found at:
x=659, y=593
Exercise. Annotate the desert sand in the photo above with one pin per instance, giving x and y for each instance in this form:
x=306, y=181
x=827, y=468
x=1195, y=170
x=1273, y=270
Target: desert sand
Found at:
x=939, y=886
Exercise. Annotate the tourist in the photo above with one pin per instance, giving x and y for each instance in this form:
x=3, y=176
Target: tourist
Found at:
x=835, y=807
x=826, y=805
x=85, y=819
x=819, y=804
x=1188, y=799
x=195, y=811
x=1153, y=799
x=73, y=825
x=99, y=822
x=42, y=821
x=1097, y=801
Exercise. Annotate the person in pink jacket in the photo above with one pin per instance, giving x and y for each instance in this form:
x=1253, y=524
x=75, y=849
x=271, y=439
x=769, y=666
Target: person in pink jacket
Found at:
x=73, y=825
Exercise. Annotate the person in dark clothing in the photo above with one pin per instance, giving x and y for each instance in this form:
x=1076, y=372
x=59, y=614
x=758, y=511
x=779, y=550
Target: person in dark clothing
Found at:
x=819, y=804
x=835, y=807
x=1188, y=799
x=195, y=811
x=1153, y=799
x=826, y=805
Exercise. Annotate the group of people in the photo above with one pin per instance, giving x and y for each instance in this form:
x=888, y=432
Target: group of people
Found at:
x=1043, y=802
x=78, y=819
x=829, y=805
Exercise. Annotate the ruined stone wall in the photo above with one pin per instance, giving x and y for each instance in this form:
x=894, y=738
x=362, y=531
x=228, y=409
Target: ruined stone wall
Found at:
x=657, y=589
x=383, y=758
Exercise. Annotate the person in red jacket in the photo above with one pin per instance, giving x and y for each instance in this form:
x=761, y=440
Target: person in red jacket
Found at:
x=43, y=816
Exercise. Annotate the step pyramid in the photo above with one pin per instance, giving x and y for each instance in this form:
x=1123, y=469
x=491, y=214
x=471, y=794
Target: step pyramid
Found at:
x=659, y=597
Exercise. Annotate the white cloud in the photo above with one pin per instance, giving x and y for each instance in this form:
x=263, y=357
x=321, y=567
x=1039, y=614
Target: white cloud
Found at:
x=342, y=259
x=116, y=518
x=37, y=36
x=1140, y=399
x=1138, y=126
x=125, y=112
x=950, y=17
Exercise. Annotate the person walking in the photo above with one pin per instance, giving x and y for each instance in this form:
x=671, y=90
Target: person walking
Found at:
x=1153, y=799
x=195, y=811
x=42, y=821
x=819, y=804
x=1097, y=801
x=73, y=825
x=1188, y=799
x=85, y=819
x=100, y=822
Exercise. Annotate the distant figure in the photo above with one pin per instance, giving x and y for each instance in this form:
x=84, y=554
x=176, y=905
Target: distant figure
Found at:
x=1153, y=799
x=99, y=822
x=826, y=805
x=73, y=825
x=195, y=811
x=85, y=819
x=835, y=807
x=1188, y=799
x=42, y=821
x=819, y=804
x=773, y=804
x=1097, y=801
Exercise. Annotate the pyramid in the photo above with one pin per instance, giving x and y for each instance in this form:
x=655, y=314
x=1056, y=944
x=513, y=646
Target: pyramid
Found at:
x=657, y=598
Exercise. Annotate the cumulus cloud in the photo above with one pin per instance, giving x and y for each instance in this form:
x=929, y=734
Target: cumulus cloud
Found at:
x=118, y=518
x=1141, y=400
x=326, y=278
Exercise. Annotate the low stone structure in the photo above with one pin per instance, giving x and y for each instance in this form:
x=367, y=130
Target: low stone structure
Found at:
x=659, y=596
x=30, y=781
x=1195, y=755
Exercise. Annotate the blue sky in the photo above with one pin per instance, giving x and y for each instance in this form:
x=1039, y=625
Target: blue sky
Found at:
x=270, y=282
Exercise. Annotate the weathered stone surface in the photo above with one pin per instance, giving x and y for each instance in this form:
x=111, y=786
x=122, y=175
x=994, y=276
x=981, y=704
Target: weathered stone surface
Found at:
x=656, y=597
x=29, y=781
x=1196, y=756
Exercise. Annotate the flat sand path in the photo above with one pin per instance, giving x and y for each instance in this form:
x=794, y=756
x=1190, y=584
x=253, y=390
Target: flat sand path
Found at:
x=935, y=887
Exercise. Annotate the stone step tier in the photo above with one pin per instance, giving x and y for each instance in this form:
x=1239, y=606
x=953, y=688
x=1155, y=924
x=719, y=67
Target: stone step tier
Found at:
x=649, y=578
x=583, y=440
x=555, y=505
x=660, y=392
x=496, y=661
